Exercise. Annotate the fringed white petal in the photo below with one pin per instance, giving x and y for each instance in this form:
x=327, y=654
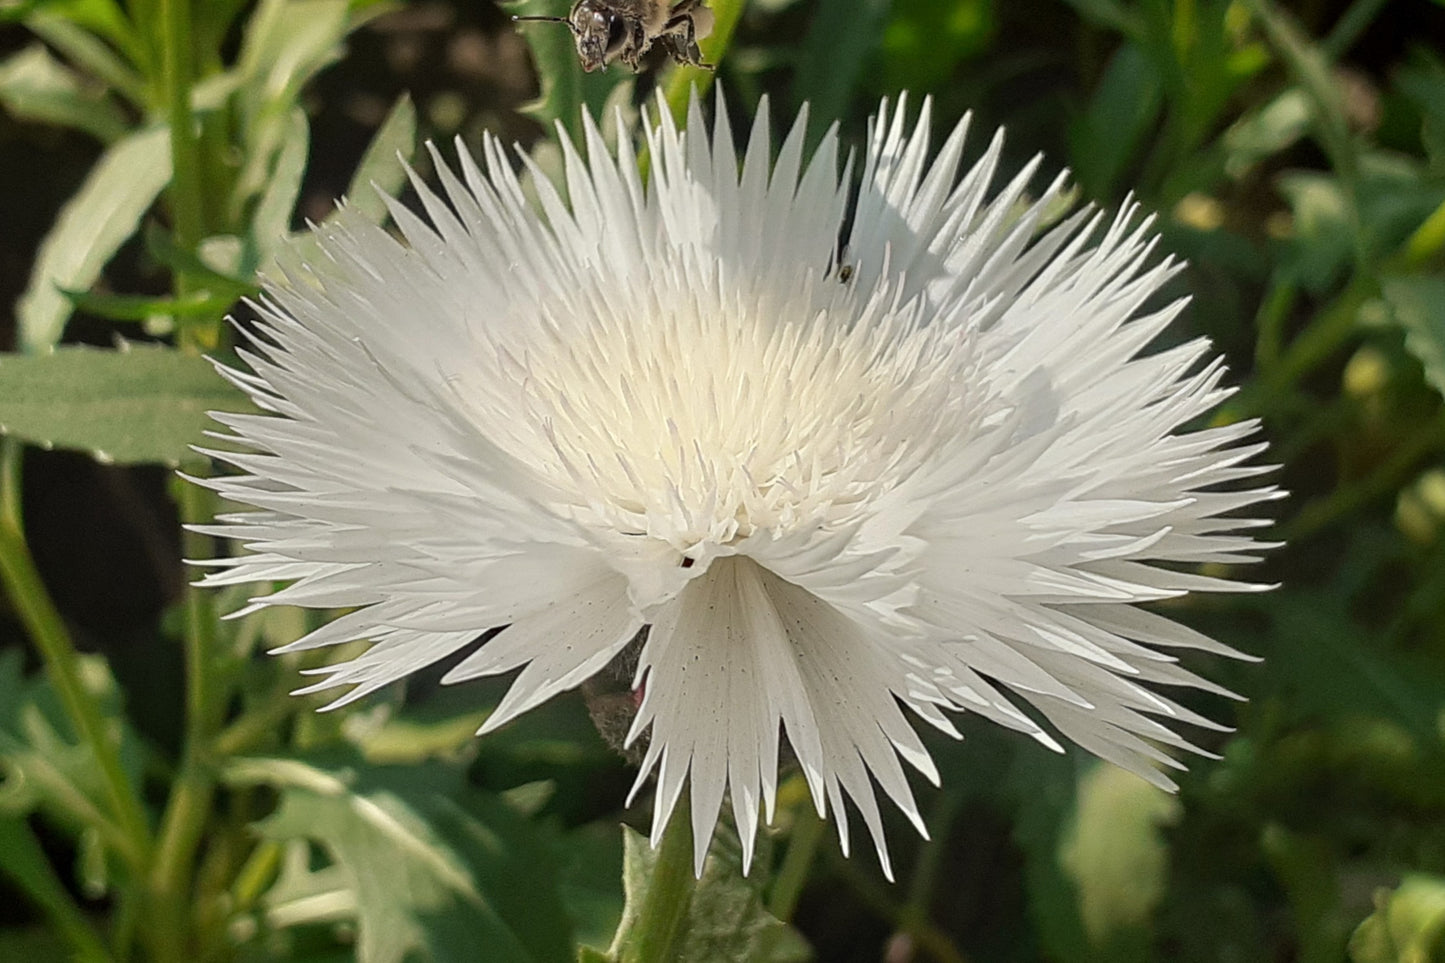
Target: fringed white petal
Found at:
x=936, y=469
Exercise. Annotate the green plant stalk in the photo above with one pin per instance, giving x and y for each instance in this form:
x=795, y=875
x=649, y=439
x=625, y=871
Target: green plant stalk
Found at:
x=669, y=893
x=186, y=201
x=189, y=807
x=808, y=832
x=29, y=868
x=47, y=630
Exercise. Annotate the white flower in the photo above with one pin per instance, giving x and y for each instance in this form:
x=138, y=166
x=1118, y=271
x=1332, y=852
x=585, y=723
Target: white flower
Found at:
x=932, y=473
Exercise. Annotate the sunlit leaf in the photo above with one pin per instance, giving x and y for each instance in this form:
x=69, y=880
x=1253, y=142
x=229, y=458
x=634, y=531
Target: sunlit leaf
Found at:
x=285, y=44
x=91, y=227
x=1114, y=851
x=1408, y=925
x=271, y=221
x=89, y=52
x=34, y=86
x=140, y=404
x=1266, y=131
x=726, y=919
x=437, y=871
x=383, y=167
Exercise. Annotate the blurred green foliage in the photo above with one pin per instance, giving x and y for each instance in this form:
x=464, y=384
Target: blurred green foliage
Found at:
x=163, y=799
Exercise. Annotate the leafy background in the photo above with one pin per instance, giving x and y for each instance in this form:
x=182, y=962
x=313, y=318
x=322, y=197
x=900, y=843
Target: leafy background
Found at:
x=161, y=798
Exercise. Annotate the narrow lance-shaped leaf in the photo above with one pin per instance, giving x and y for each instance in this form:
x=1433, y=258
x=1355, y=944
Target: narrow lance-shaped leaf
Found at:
x=382, y=170
x=140, y=404
x=92, y=226
x=34, y=86
x=272, y=220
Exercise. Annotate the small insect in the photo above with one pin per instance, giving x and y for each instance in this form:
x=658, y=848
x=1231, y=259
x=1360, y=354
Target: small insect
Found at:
x=608, y=30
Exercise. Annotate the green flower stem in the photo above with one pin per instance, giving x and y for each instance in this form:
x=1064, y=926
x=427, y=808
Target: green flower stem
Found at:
x=187, y=210
x=808, y=832
x=726, y=14
x=29, y=868
x=62, y=665
x=654, y=937
x=189, y=807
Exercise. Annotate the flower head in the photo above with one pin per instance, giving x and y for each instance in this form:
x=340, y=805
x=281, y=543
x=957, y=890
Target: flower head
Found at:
x=929, y=472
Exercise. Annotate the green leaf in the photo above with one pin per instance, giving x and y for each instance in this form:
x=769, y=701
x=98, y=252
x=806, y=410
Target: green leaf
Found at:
x=924, y=40
x=91, y=228
x=139, y=404
x=271, y=222
x=89, y=52
x=382, y=170
x=1328, y=666
x=726, y=920
x=102, y=18
x=591, y=882
x=1266, y=131
x=832, y=55
x=1322, y=246
x=34, y=86
x=47, y=768
x=1122, y=110
x=286, y=43
x=1418, y=304
x=1408, y=925
x=566, y=87
x=25, y=862
x=436, y=869
x=1114, y=852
